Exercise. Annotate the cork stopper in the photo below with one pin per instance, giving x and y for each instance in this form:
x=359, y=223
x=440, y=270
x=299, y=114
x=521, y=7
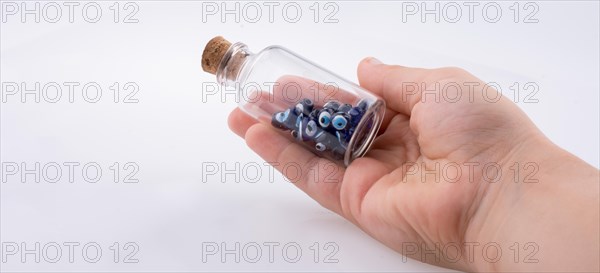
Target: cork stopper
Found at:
x=213, y=53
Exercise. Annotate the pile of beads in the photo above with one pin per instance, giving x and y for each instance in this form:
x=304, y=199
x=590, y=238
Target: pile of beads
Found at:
x=330, y=128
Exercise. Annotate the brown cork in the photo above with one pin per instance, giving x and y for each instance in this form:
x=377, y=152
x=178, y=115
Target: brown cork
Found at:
x=213, y=53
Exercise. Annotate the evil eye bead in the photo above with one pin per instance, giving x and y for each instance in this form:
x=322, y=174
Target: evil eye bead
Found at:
x=311, y=129
x=330, y=128
x=354, y=112
x=332, y=105
x=324, y=119
x=282, y=116
x=305, y=106
x=355, y=116
x=314, y=115
x=280, y=119
x=308, y=104
x=344, y=108
x=298, y=121
x=362, y=105
x=320, y=147
x=339, y=122
x=302, y=128
x=330, y=143
x=299, y=109
x=342, y=138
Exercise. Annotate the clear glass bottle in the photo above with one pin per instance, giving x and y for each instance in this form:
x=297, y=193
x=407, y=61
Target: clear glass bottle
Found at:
x=331, y=116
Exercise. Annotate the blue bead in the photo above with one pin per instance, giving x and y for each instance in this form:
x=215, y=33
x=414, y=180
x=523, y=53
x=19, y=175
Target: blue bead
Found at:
x=362, y=106
x=355, y=116
x=304, y=106
x=284, y=120
x=298, y=122
x=314, y=115
x=344, y=108
x=332, y=105
x=329, y=128
x=342, y=138
x=339, y=121
x=325, y=118
x=311, y=129
x=329, y=142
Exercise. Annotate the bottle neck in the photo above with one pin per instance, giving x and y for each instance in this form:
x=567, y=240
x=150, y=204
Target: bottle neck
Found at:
x=232, y=64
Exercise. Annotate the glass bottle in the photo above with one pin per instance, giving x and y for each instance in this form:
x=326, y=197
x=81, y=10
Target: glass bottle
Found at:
x=331, y=116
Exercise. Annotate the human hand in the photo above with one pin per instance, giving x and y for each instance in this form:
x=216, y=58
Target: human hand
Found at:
x=442, y=173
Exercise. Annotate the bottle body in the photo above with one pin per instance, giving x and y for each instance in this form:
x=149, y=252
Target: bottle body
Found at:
x=330, y=116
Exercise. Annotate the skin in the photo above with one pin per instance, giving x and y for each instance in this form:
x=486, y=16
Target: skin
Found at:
x=422, y=189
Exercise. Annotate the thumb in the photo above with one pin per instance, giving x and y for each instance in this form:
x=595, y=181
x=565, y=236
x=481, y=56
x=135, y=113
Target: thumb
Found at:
x=397, y=85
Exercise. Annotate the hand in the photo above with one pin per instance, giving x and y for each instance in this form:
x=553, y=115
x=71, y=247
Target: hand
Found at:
x=446, y=176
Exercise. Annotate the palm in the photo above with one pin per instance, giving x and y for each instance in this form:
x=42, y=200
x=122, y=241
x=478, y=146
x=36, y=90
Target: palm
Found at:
x=411, y=207
x=382, y=192
x=404, y=200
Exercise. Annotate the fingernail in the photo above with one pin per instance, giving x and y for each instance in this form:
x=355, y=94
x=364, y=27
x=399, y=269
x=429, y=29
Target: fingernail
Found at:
x=373, y=60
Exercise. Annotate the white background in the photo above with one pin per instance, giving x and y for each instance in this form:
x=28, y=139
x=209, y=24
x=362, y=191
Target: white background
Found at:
x=172, y=133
